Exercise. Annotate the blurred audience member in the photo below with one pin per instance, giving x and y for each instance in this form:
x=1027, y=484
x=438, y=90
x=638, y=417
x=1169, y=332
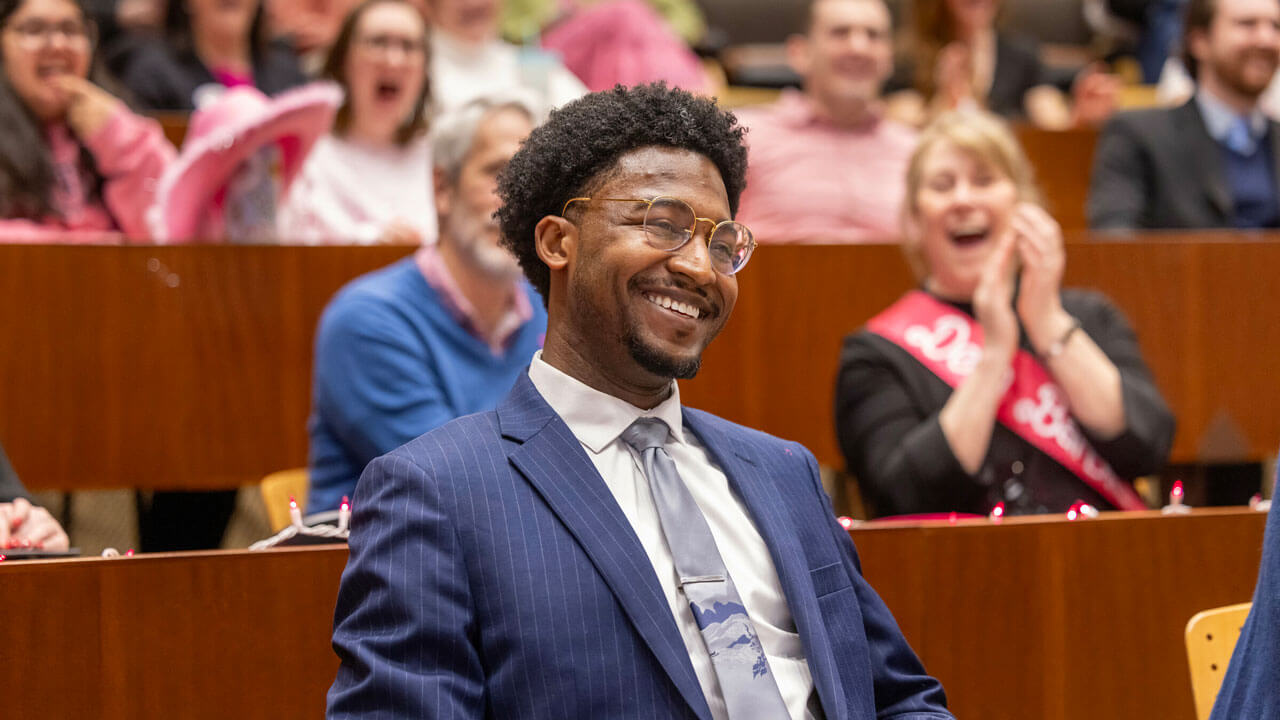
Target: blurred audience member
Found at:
x=370, y=179
x=523, y=20
x=961, y=59
x=1251, y=687
x=209, y=45
x=75, y=163
x=309, y=26
x=438, y=335
x=123, y=26
x=623, y=42
x=23, y=524
x=468, y=60
x=238, y=162
x=1210, y=162
x=991, y=383
x=825, y=164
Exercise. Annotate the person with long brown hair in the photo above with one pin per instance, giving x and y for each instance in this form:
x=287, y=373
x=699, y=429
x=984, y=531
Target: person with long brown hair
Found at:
x=75, y=163
x=370, y=179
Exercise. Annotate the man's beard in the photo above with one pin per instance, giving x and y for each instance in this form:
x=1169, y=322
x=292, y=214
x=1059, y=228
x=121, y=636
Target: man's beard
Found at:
x=658, y=363
x=1233, y=76
x=470, y=237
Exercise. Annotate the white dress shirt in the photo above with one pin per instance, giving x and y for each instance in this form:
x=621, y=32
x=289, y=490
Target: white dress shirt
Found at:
x=597, y=420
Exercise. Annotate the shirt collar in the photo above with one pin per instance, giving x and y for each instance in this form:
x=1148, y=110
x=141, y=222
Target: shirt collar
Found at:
x=519, y=310
x=796, y=109
x=597, y=418
x=1218, y=117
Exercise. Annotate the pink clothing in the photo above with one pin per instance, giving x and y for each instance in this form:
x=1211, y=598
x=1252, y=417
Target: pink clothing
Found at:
x=130, y=153
x=624, y=42
x=232, y=78
x=460, y=308
x=809, y=181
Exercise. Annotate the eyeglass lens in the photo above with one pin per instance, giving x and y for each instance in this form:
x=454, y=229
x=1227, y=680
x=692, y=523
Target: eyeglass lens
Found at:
x=387, y=43
x=42, y=32
x=669, y=223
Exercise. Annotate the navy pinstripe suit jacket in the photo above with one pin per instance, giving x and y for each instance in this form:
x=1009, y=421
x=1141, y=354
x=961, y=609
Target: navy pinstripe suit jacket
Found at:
x=492, y=575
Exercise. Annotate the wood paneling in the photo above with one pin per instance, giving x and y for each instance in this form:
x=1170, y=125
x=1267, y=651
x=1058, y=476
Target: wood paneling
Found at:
x=192, y=635
x=1033, y=618
x=1055, y=620
x=1063, y=160
x=162, y=366
x=1193, y=300
x=190, y=366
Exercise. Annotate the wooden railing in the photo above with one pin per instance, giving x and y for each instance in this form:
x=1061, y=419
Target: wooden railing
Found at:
x=190, y=366
x=1034, y=618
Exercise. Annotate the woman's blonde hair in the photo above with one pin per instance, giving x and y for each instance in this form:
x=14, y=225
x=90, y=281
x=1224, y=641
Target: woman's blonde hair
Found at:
x=983, y=136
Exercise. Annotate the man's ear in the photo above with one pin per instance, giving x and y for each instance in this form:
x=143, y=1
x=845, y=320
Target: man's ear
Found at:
x=556, y=240
x=1198, y=47
x=443, y=188
x=798, y=54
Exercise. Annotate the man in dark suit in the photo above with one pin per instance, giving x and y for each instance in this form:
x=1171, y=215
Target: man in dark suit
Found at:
x=591, y=548
x=1213, y=162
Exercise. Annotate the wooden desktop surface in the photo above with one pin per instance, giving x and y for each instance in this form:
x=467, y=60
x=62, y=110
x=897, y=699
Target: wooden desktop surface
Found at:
x=190, y=366
x=1035, y=618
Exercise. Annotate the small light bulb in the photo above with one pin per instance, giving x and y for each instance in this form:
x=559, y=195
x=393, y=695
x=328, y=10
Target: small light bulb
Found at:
x=997, y=512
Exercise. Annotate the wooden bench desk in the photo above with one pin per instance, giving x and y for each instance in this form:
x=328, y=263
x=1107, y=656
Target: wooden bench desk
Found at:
x=1033, y=618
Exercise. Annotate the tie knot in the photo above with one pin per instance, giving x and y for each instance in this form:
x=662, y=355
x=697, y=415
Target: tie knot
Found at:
x=1240, y=137
x=645, y=433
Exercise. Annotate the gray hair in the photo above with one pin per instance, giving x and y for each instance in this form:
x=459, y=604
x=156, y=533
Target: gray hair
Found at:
x=453, y=133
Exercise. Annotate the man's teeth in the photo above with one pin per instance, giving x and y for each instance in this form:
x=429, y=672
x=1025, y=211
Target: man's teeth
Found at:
x=675, y=305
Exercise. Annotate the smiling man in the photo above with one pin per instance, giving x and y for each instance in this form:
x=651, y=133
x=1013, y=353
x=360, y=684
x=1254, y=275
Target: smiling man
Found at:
x=1212, y=162
x=592, y=548
x=826, y=165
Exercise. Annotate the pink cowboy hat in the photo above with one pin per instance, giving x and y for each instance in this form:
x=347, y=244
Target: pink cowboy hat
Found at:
x=226, y=132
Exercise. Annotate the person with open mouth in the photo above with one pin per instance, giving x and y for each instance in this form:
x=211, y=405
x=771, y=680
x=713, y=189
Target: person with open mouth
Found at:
x=990, y=384
x=370, y=180
x=75, y=163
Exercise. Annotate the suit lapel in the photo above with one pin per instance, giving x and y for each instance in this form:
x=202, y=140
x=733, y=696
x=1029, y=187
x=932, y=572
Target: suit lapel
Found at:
x=1206, y=158
x=554, y=462
x=768, y=509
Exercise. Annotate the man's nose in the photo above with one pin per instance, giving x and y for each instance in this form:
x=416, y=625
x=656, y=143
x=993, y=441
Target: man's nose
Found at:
x=693, y=259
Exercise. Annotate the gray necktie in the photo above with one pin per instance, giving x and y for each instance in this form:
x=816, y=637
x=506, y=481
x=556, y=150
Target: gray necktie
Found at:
x=736, y=654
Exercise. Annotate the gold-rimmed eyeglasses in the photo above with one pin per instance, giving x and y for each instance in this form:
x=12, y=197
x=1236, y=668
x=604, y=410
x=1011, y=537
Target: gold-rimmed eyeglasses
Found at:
x=669, y=223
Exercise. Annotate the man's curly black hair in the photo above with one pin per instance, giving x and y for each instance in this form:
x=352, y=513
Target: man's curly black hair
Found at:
x=584, y=139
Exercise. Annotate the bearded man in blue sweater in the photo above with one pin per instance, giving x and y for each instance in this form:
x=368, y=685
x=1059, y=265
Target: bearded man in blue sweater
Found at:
x=438, y=335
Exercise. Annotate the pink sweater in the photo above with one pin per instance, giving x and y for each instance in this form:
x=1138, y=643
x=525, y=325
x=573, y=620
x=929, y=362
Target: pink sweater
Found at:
x=131, y=152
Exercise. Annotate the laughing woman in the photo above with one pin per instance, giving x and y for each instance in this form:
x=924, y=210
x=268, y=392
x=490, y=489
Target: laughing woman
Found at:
x=75, y=164
x=370, y=180
x=992, y=384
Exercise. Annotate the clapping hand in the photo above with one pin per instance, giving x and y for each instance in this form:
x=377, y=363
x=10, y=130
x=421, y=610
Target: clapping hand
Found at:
x=993, y=299
x=1039, y=246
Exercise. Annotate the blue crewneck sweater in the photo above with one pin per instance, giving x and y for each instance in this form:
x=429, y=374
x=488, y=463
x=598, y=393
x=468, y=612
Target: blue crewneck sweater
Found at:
x=1252, y=179
x=391, y=363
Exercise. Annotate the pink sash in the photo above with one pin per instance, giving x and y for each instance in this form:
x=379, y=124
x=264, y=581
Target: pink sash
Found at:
x=949, y=343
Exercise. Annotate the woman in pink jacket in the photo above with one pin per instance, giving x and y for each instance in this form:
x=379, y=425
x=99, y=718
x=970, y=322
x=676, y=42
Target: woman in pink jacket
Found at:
x=75, y=164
